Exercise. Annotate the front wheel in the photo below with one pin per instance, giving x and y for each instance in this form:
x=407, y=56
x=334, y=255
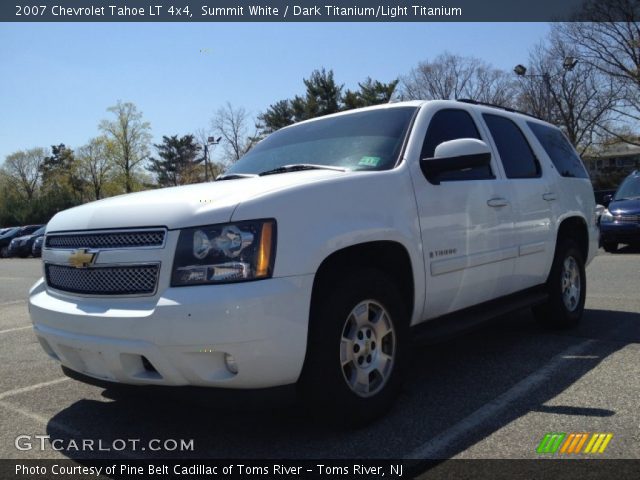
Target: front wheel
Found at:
x=566, y=286
x=357, y=348
x=611, y=247
x=4, y=252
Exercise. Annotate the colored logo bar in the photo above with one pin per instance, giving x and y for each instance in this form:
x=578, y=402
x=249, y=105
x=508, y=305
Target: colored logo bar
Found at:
x=574, y=443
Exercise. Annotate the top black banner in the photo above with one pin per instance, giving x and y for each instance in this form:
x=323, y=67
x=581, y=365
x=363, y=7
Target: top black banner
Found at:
x=312, y=10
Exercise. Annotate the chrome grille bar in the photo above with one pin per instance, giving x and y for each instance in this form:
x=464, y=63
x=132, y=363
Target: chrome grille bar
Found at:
x=115, y=239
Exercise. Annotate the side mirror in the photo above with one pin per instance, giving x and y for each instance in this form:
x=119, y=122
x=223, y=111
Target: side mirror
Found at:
x=455, y=155
x=606, y=200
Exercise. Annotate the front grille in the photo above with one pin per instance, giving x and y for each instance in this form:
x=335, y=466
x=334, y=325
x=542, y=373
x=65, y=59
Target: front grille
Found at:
x=627, y=218
x=115, y=280
x=121, y=239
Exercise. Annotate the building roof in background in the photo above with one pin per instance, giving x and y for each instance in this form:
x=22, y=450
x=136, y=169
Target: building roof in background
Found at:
x=616, y=150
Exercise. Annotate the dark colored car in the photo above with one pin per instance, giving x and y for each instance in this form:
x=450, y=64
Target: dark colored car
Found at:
x=620, y=222
x=36, y=250
x=21, y=246
x=5, y=239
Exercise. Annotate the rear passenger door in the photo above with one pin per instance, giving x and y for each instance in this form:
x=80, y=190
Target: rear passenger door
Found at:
x=531, y=200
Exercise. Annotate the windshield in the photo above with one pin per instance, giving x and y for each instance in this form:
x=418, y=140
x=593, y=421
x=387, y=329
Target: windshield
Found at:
x=9, y=232
x=368, y=140
x=40, y=231
x=29, y=230
x=630, y=188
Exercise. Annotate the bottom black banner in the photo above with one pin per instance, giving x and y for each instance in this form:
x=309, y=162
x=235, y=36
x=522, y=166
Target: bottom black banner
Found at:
x=66, y=469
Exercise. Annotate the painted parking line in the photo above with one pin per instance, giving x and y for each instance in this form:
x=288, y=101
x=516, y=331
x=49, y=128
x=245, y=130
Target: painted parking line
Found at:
x=11, y=302
x=15, y=329
x=31, y=388
x=438, y=447
x=41, y=419
x=48, y=422
x=60, y=427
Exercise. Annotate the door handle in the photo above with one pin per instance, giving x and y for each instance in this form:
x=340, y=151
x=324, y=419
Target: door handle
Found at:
x=550, y=196
x=497, y=202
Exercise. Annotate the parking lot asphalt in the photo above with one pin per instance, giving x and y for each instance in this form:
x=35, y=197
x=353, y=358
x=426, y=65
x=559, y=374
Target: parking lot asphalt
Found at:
x=492, y=393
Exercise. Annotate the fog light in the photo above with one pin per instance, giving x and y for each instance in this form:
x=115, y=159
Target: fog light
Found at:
x=230, y=363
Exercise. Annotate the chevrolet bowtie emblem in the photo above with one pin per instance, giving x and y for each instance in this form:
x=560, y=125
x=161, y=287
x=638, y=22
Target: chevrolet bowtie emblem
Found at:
x=82, y=258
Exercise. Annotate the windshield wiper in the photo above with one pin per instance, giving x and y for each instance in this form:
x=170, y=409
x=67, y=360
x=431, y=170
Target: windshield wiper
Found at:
x=296, y=167
x=233, y=176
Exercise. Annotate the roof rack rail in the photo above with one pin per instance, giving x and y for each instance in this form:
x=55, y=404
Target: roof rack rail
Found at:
x=486, y=104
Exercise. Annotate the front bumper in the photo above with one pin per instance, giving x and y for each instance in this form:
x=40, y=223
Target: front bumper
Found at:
x=614, y=232
x=184, y=334
x=18, y=250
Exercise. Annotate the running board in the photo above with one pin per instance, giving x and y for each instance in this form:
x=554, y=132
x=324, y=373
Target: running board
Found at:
x=470, y=318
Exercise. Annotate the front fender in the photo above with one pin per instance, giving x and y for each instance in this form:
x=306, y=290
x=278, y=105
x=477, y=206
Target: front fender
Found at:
x=316, y=220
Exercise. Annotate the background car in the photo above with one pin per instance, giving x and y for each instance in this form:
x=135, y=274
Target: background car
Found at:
x=36, y=249
x=620, y=222
x=5, y=239
x=21, y=246
x=599, y=211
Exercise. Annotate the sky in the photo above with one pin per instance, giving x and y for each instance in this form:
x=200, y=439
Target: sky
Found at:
x=58, y=79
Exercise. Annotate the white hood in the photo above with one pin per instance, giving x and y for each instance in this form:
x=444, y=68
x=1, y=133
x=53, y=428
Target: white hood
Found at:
x=179, y=207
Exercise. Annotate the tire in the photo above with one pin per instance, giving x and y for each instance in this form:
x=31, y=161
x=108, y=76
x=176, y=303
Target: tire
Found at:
x=346, y=346
x=4, y=252
x=566, y=286
x=611, y=247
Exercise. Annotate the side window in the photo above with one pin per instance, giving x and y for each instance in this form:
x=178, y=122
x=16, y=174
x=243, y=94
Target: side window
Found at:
x=561, y=153
x=451, y=124
x=514, y=149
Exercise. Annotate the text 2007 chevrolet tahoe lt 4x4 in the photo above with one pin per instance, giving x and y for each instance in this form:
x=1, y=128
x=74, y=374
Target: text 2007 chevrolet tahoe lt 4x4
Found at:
x=310, y=260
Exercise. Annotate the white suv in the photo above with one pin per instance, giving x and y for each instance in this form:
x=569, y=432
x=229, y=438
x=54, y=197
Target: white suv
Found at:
x=314, y=257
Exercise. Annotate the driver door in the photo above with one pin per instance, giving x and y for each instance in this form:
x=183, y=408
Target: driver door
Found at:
x=466, y=221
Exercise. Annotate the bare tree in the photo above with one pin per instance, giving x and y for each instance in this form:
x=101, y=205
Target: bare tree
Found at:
x=574, y=96
x=610, y=43
x=232, y=124
x=450, y=76
x=96, y=162
x=131, y=136
x=24, y=168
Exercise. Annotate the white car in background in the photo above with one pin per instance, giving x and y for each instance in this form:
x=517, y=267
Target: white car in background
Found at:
x=318, y=255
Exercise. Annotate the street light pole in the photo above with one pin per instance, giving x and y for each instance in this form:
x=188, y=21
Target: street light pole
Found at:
x=210, y=141
x=568, y=64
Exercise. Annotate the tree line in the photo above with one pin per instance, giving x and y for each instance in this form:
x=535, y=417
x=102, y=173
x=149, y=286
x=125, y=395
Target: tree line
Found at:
x=585, y=78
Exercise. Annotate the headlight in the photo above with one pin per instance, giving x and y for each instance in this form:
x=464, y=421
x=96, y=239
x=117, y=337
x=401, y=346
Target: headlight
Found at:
x=230, y=252
x=606, y=216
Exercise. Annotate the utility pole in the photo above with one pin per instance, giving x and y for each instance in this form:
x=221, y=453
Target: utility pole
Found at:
x=210, y=141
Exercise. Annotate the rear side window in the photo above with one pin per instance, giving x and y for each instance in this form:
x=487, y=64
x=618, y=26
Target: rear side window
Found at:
x=451, y=124
x=561, y=153
x=514, y=149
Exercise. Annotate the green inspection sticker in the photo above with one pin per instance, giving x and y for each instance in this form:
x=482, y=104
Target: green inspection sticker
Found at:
x=369, y=161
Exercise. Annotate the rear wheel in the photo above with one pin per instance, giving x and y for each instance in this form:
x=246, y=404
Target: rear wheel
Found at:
x=566, y=286
x=357, y=348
